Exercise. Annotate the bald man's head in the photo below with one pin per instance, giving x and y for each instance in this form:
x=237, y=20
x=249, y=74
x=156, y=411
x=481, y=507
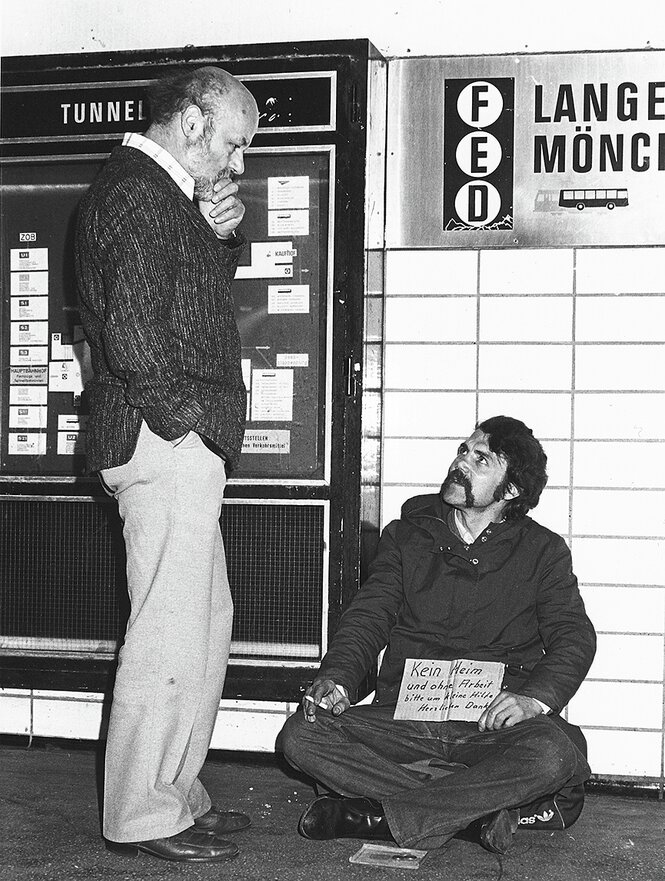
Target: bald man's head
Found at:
x=209, y=88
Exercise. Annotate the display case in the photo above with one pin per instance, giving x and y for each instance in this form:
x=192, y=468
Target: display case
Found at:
x=291, y=516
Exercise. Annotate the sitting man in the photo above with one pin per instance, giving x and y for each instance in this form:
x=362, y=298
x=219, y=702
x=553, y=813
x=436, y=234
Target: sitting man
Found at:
x=462, y=574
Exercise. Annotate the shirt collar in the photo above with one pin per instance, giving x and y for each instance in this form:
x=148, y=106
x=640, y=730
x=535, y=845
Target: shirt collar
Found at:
x=163, y=158
x=463, y=533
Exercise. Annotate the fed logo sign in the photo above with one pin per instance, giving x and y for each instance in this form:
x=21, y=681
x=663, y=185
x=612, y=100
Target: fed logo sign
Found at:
x=478, y=118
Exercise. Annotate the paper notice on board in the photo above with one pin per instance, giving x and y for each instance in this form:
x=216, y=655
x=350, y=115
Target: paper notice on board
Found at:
x=61, y=347
x=28, y=259
x=28, y=333
x=269, y=260
x=30, y=443
x=71, y=443
x=72, y=421
x=28, y=395
x=29, y=308
x=28, y=356
x=288, y=192
x=28, y=417
x=269, y=441
x=272, y=396
x=292, y=359
x=65, y=376
x=28, y=375
x=288, y=299
x=288, y=223
x=29, y=283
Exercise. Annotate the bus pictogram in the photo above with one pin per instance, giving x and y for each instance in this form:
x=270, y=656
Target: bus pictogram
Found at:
x=582, y=199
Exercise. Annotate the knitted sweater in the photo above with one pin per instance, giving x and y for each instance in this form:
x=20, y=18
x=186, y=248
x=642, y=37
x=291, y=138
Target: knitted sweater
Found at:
x=154, y=288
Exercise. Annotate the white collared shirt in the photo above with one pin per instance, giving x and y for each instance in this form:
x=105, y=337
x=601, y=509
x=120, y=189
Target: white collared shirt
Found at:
x=163, y=158
x=464, y=533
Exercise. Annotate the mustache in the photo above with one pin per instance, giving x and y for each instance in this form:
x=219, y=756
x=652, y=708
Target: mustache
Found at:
x=461, y=479
x=456, y=476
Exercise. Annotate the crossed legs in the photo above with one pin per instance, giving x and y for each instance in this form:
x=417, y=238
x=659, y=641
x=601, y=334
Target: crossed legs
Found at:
x=364, y=752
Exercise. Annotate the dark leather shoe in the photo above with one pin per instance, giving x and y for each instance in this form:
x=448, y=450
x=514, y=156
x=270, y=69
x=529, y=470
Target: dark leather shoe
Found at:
x=496, y=830
x=222, y=822
x=328, y=817
x=190, y=846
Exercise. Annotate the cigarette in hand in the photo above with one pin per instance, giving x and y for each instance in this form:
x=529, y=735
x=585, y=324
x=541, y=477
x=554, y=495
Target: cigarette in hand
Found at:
x=323, y=704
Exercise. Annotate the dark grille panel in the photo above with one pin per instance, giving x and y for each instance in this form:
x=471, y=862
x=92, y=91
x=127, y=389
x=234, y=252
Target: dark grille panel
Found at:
x=61, y=570
x=275, y=564
x=62, y=577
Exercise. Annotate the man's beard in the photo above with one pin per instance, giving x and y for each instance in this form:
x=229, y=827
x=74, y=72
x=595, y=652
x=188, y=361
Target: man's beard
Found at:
x=456, y=477
x=204, y=186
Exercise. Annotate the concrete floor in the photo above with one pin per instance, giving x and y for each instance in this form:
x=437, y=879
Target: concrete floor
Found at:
x=49, y=831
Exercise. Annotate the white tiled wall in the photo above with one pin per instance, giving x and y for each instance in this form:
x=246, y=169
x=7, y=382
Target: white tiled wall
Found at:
x=15, y=711
x=241, y=725
x=571, y=341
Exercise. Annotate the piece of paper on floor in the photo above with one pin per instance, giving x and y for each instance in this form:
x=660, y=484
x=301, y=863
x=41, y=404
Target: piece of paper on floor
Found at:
x=384, y=855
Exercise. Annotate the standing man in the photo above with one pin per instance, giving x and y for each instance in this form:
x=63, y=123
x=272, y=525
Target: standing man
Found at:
x=462, y=574
x=156, y=252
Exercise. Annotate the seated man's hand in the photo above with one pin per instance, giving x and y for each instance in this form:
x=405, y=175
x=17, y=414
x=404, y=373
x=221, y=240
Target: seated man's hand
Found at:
x=507, y=709
x=327, y=695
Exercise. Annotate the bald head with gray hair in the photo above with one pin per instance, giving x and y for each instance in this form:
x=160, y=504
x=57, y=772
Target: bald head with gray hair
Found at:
x=205, y=87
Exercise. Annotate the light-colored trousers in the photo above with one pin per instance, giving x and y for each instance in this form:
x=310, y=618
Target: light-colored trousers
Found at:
x=173, y=662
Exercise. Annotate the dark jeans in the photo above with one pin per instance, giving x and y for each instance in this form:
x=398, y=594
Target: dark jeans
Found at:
x=365, y=752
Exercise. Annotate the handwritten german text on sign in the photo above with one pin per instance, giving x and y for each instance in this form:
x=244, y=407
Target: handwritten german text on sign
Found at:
x=438, y=691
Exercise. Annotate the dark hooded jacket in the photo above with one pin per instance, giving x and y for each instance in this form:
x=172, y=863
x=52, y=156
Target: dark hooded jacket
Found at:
x=511, y=596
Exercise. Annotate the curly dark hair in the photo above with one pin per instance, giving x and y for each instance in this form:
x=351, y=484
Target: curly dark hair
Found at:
x=525, y=458
x=172, y=94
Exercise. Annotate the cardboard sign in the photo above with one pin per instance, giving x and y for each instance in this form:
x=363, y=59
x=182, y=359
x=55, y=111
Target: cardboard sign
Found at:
x=438, y=691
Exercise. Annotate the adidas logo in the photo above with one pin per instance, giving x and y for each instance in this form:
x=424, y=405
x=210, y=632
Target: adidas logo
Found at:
x=545, y=817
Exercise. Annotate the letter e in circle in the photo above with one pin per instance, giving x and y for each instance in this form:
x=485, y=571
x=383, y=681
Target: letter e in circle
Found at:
x=478, y=154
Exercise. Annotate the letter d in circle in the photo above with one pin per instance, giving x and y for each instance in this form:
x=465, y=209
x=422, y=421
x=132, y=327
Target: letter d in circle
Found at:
x=477, y=203
x=477, y=211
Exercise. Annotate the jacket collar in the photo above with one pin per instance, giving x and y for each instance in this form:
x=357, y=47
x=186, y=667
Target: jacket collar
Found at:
x=431, y=513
